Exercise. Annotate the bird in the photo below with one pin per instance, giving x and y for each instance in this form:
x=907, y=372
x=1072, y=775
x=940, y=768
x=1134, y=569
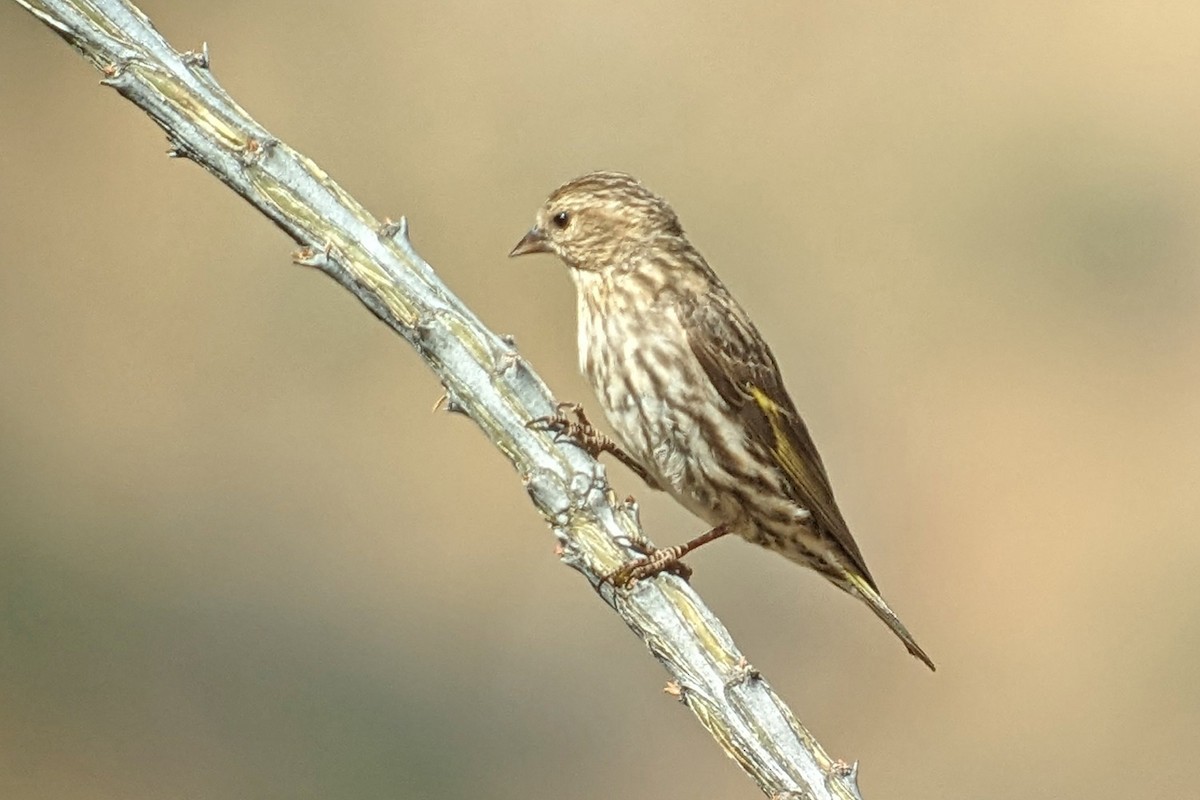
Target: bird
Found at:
x=690, y=388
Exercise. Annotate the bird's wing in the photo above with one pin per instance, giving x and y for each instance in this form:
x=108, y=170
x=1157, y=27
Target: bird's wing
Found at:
x=743, y=371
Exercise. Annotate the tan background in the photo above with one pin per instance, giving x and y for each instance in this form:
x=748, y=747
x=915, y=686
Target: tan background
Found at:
x=239, y=557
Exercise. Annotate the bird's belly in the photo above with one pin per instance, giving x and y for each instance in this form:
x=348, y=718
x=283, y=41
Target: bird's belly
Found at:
x=661, y=412
x=665, y=412
x=677, y=459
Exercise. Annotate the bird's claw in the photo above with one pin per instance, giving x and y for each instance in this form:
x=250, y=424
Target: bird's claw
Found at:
x=571, y=424
x=577, y=430
x=649, y=565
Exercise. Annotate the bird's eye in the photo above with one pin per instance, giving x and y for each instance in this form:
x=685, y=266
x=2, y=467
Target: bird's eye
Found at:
x=562, y=219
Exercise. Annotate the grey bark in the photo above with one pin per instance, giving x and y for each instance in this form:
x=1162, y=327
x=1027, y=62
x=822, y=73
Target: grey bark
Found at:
x=484, y=376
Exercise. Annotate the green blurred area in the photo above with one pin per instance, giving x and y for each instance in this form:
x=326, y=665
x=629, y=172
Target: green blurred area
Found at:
x=239, y=558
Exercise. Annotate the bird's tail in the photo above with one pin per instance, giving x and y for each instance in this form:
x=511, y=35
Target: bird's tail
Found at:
x=861, y=586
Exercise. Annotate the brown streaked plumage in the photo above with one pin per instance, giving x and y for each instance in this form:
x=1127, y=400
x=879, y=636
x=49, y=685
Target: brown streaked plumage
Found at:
x=691, y=390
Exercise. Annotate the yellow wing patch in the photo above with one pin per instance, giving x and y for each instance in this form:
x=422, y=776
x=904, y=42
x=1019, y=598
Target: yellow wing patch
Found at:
x=791, y=461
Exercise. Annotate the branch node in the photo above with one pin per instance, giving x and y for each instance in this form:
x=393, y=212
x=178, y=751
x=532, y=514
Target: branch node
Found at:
x=568, y=550
x=508, y=359
x=546, y=489
x=743, y=673
x=505, y=361
x=583, y=484
x=114, y=74
x=255, y=150
x=426, y=332
x=196, y=59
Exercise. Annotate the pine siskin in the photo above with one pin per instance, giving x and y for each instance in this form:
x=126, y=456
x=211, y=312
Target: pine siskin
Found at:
x=690, y=388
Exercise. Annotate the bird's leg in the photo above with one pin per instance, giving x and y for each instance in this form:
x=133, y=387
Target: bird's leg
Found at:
x=643, y=546
x=581, y=431
x=657, y=561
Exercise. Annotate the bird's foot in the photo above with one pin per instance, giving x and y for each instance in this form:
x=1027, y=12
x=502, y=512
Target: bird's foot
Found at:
x=570, y=423
x=665, y=560
x=649, y=565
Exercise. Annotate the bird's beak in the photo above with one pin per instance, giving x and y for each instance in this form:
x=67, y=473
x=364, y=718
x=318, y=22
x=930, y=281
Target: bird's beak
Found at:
x=533, y=242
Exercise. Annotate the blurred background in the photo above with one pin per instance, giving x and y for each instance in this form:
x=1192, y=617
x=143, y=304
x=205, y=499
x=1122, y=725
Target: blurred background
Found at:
x=239, y=557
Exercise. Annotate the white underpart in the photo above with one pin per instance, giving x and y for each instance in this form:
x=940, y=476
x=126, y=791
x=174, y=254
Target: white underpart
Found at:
x=653, y=335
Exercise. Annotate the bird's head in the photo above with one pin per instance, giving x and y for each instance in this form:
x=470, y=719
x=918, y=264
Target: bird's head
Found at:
x=597, y=221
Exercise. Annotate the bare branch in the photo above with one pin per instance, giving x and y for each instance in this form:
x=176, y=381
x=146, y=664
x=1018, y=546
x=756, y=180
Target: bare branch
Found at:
x=484, y=377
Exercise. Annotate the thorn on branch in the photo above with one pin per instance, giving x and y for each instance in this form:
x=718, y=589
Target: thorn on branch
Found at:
x=179, y=149
x=509, y=339
x=396, y=231
x=846, y=773
x=448, y=401
x=197, y=59
x=311, y=257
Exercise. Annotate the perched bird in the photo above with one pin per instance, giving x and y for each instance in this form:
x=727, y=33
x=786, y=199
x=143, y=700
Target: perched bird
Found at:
x=690, y=388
